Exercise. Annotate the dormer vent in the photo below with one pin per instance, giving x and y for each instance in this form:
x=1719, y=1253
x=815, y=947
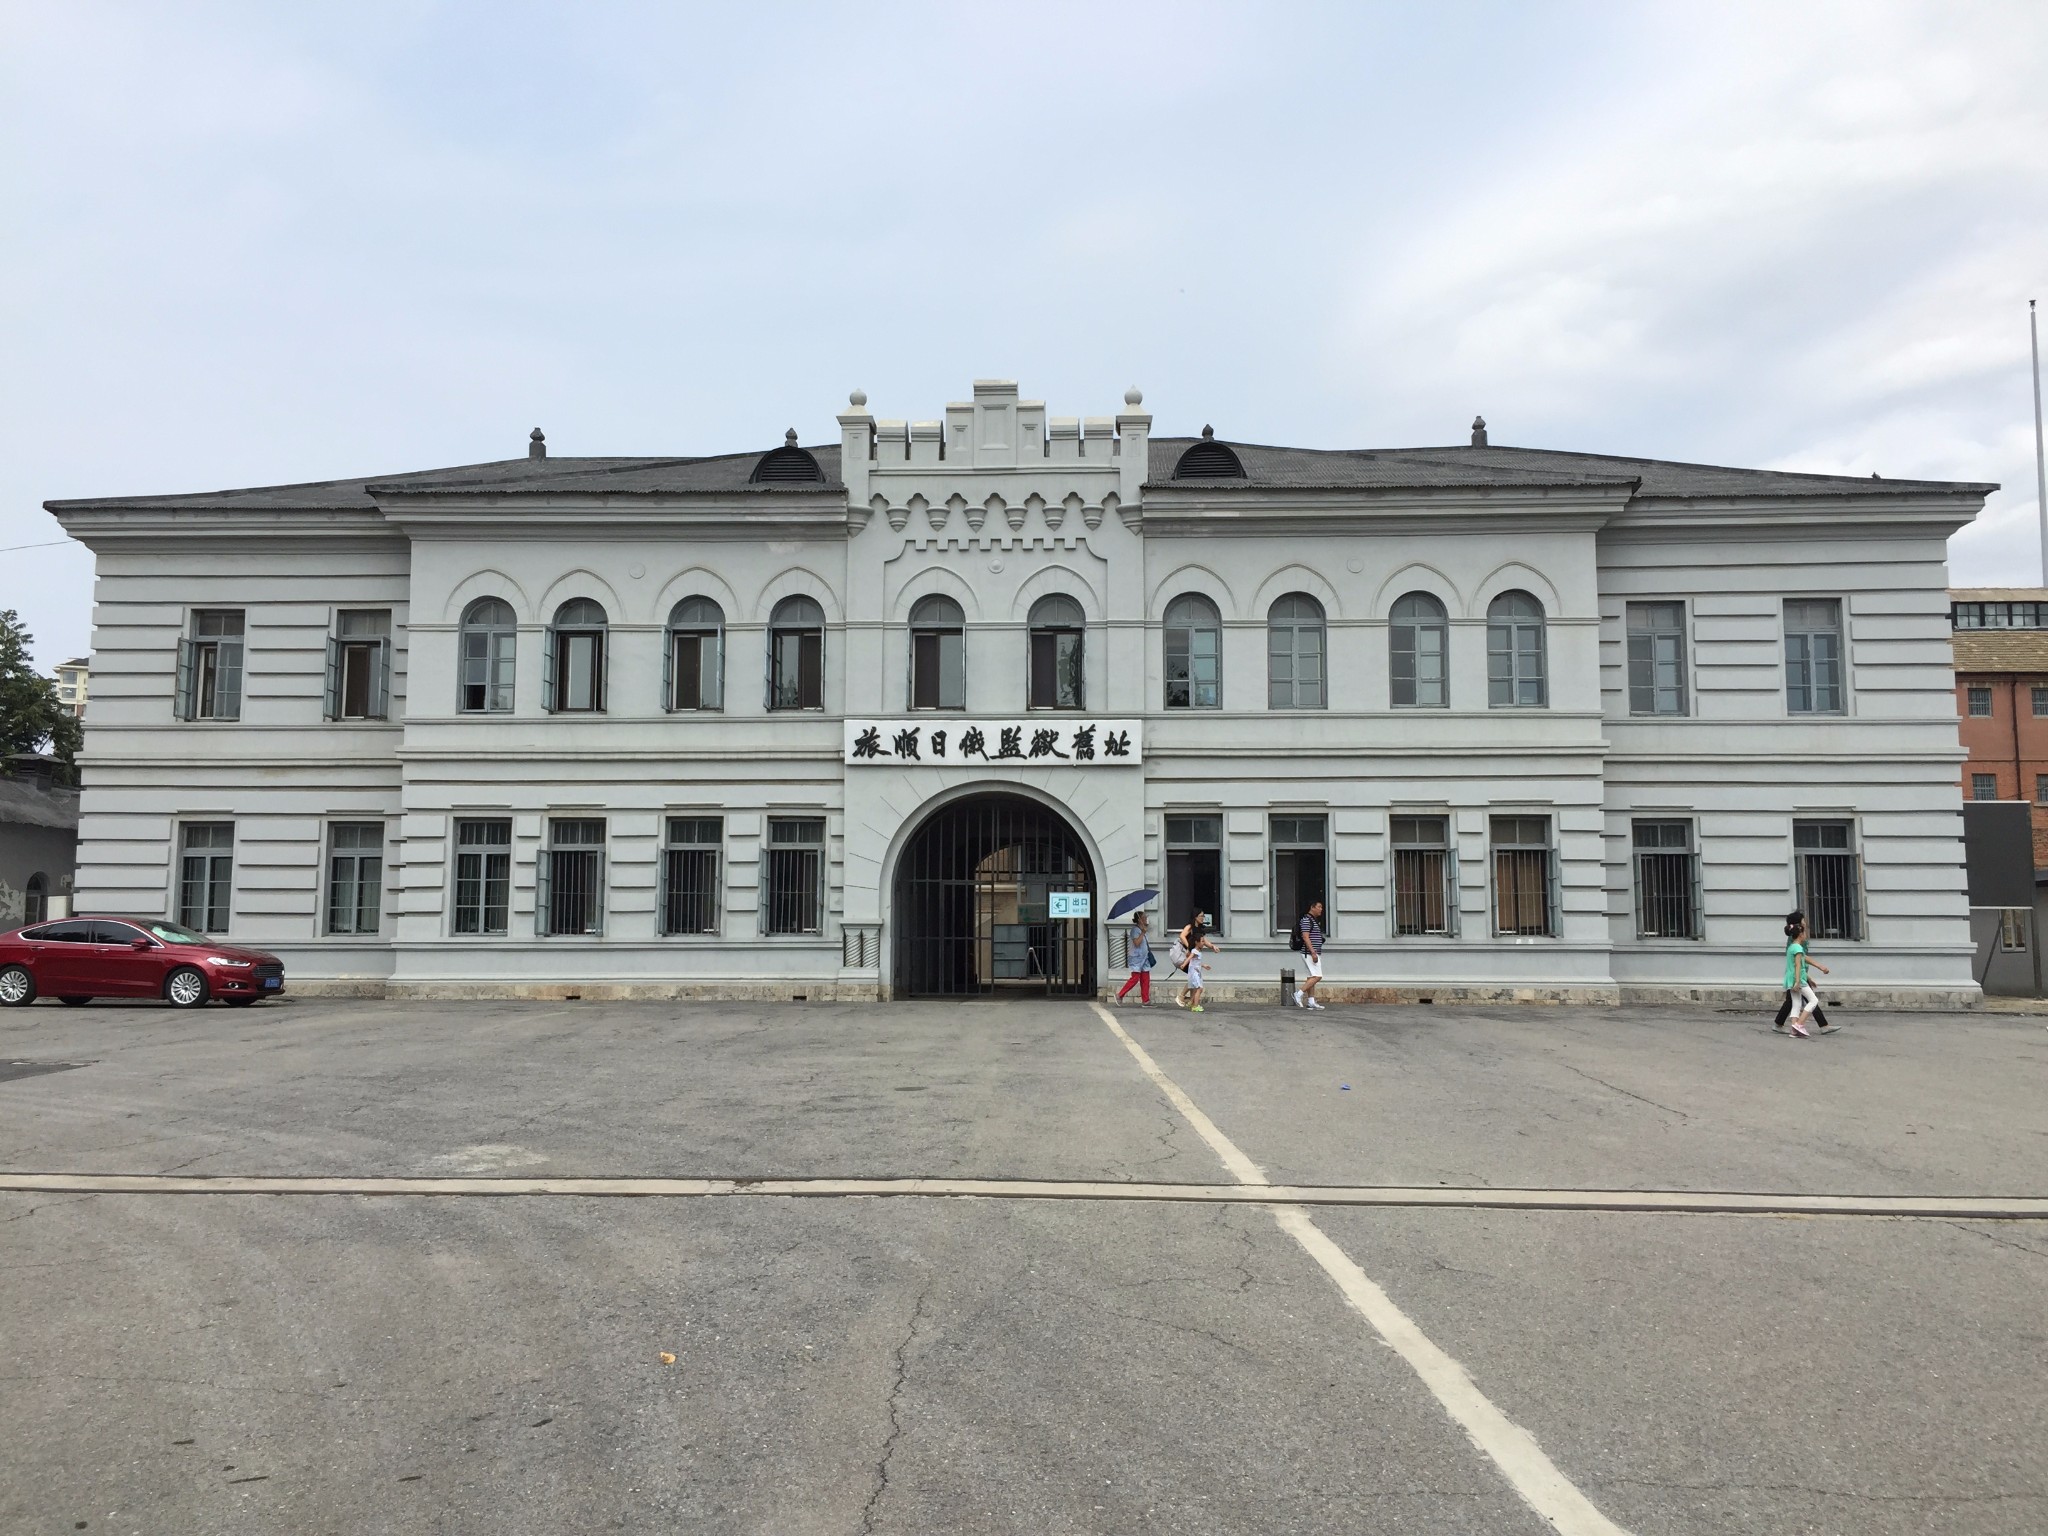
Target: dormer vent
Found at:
x=787, y=465
x=1209, y=460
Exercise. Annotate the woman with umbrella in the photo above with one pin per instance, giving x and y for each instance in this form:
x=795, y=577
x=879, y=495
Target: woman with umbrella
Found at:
x=1138, y=946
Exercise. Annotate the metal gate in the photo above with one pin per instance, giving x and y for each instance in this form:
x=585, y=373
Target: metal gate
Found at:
x=971, y=902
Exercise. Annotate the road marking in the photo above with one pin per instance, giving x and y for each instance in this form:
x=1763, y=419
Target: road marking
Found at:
x=1512, y=1448
x=1429, y=1197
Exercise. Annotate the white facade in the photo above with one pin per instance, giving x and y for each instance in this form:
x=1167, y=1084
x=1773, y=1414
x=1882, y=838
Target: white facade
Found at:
x=995, y=507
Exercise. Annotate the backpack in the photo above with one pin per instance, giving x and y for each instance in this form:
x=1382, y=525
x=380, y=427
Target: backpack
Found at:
x=1295, y=942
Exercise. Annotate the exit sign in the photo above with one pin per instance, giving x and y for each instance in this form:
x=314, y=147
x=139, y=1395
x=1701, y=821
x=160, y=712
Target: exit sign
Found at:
x=1066, y=904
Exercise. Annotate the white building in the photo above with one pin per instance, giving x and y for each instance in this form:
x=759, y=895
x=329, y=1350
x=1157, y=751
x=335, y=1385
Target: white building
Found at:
x=74, y=683
x=1539, y=724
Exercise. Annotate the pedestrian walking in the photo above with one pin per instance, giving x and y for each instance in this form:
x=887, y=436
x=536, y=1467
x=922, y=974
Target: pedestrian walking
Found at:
x=1798, y=984
x=1187, y=953
x=1307, y=941
x=1138, y=955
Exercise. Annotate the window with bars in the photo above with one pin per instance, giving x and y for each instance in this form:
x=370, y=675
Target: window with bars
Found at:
x=1667, y=880
x=1194, y=870
x=1194, y=653
x=1059, y=670
x=2040, y=701
x=1295, y=651
x=489, y=651
x=1419, y=640
x=569, y=896
x=1517, y=660
x=938, y=654
x=2041, y=788
x=355, y=876
x=1983, y=786
x=1830, y=877
x=359, y=665
x=1656, y=659
x=696, y=656
x=1980, y=699
x=575, y=658
x=1301, y=871
x=796, y=655
x=690, y=873
x=2013, y=926
x=793, y=875
x=1425, y=876
x=206, y=875
x=1813, y=656
x=483, y=875
x=210, y=666
x=1524, y=876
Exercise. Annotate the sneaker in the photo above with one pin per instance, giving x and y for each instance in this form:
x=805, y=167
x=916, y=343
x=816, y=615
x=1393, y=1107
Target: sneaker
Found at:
x=1196, y=1009
x=1180, y=1000
x=1796, y=1029
x=1312, y=1003
x=1828, y=1029
x=1780, y=1029
x=1297, y=999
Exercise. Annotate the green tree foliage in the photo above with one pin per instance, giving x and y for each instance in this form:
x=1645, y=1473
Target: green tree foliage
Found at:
x=32, y=719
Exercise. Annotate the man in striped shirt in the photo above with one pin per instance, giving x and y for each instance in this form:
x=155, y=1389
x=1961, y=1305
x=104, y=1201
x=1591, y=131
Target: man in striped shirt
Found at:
x=1311, y=946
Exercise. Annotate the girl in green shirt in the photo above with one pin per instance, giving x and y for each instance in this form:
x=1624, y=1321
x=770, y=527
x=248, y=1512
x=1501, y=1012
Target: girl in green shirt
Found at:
x=1797, y=982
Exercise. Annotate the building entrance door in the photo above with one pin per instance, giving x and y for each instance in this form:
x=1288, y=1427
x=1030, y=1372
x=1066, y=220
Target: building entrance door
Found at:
x=973, y=898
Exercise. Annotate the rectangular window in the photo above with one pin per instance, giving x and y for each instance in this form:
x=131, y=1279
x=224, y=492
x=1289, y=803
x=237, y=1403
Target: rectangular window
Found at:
x=1667, y=880
x=696, y=666
x=206, y=875
x=689, y=874
x=1980, y=699
x=794, y=879
x=1830, y=878
x=2012, y=929
x=1056, y=675
x=1194, y=665
x=1983, y=786
x=1194, y=870
x=1524, y=876
x=359, y=665
x=938, y=669
x=2041, y=788
x=488, y=657
x=569, y=896
x=1301, y=870
x=2040, y=701
x=210, y=666
x=1425, y=875
x=483, y=876
x=1813, y=656
x=576, y=668
x=1656, y=659
x=355, y=876
x=797, y=669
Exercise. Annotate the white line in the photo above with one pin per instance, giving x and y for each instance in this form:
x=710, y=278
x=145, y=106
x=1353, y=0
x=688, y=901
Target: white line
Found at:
x=1512, y=1448
x=1436, y=1197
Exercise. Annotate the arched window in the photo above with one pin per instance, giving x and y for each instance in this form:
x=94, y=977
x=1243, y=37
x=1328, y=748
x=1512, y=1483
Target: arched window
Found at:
x=1294, y=653
x=938, y=654
x=575, y=658
x=490, y=642
x=37, y=906
x=1194, y=653
x=1420, y=639
x=1514, y=653
x=696, y=656
x=1058, y=667
x=796, y=655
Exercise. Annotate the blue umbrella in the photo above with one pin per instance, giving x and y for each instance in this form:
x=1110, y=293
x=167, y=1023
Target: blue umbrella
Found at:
x=1131, y=903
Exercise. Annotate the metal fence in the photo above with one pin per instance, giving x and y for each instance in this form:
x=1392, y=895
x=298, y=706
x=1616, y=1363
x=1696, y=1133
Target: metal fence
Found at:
x=1667, y=906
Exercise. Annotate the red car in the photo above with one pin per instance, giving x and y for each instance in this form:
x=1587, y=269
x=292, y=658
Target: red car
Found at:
x=80, y=958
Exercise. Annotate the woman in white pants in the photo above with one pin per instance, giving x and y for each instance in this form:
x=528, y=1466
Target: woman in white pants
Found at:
x=1797, y=981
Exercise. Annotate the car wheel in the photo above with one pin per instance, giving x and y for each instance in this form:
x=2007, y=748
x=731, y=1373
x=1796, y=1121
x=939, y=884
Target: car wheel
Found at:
x=17, y=987
x=185, y=988
x=241, y=1002
x=75, y=1002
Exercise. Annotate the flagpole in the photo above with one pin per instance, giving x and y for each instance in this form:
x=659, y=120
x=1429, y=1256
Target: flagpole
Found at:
x=2040, y=464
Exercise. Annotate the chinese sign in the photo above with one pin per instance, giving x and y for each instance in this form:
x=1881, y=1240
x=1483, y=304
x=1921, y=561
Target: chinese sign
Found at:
x=1046, y=740
x=1066, y=904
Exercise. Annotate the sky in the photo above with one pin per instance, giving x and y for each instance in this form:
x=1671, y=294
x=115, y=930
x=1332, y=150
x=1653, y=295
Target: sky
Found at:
x=246, y=244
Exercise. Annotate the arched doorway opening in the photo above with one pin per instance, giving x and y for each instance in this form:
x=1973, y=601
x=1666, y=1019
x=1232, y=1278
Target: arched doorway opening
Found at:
x=972, y=903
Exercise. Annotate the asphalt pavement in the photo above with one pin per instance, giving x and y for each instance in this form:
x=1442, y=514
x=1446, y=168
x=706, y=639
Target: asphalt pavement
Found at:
x=202, y=1363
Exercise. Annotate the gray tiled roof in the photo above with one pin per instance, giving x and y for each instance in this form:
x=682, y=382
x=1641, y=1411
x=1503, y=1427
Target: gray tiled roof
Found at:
x=1423, y=468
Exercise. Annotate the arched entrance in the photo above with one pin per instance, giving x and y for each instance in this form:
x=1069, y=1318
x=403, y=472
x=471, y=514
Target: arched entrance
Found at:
x=972, y=893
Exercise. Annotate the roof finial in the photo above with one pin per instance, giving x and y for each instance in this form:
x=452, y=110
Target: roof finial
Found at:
x=1478, y=431
x=857, y=399
x=789, y=438
x=1134, y=396
x=537, y=444
x=1208, y=434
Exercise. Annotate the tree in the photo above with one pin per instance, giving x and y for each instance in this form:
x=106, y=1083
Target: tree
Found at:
x=32, y=718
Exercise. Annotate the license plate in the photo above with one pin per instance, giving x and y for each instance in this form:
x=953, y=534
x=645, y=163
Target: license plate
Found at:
x=273, y=981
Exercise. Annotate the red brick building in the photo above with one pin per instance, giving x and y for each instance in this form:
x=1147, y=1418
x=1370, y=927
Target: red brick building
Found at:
x=2001, y=659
